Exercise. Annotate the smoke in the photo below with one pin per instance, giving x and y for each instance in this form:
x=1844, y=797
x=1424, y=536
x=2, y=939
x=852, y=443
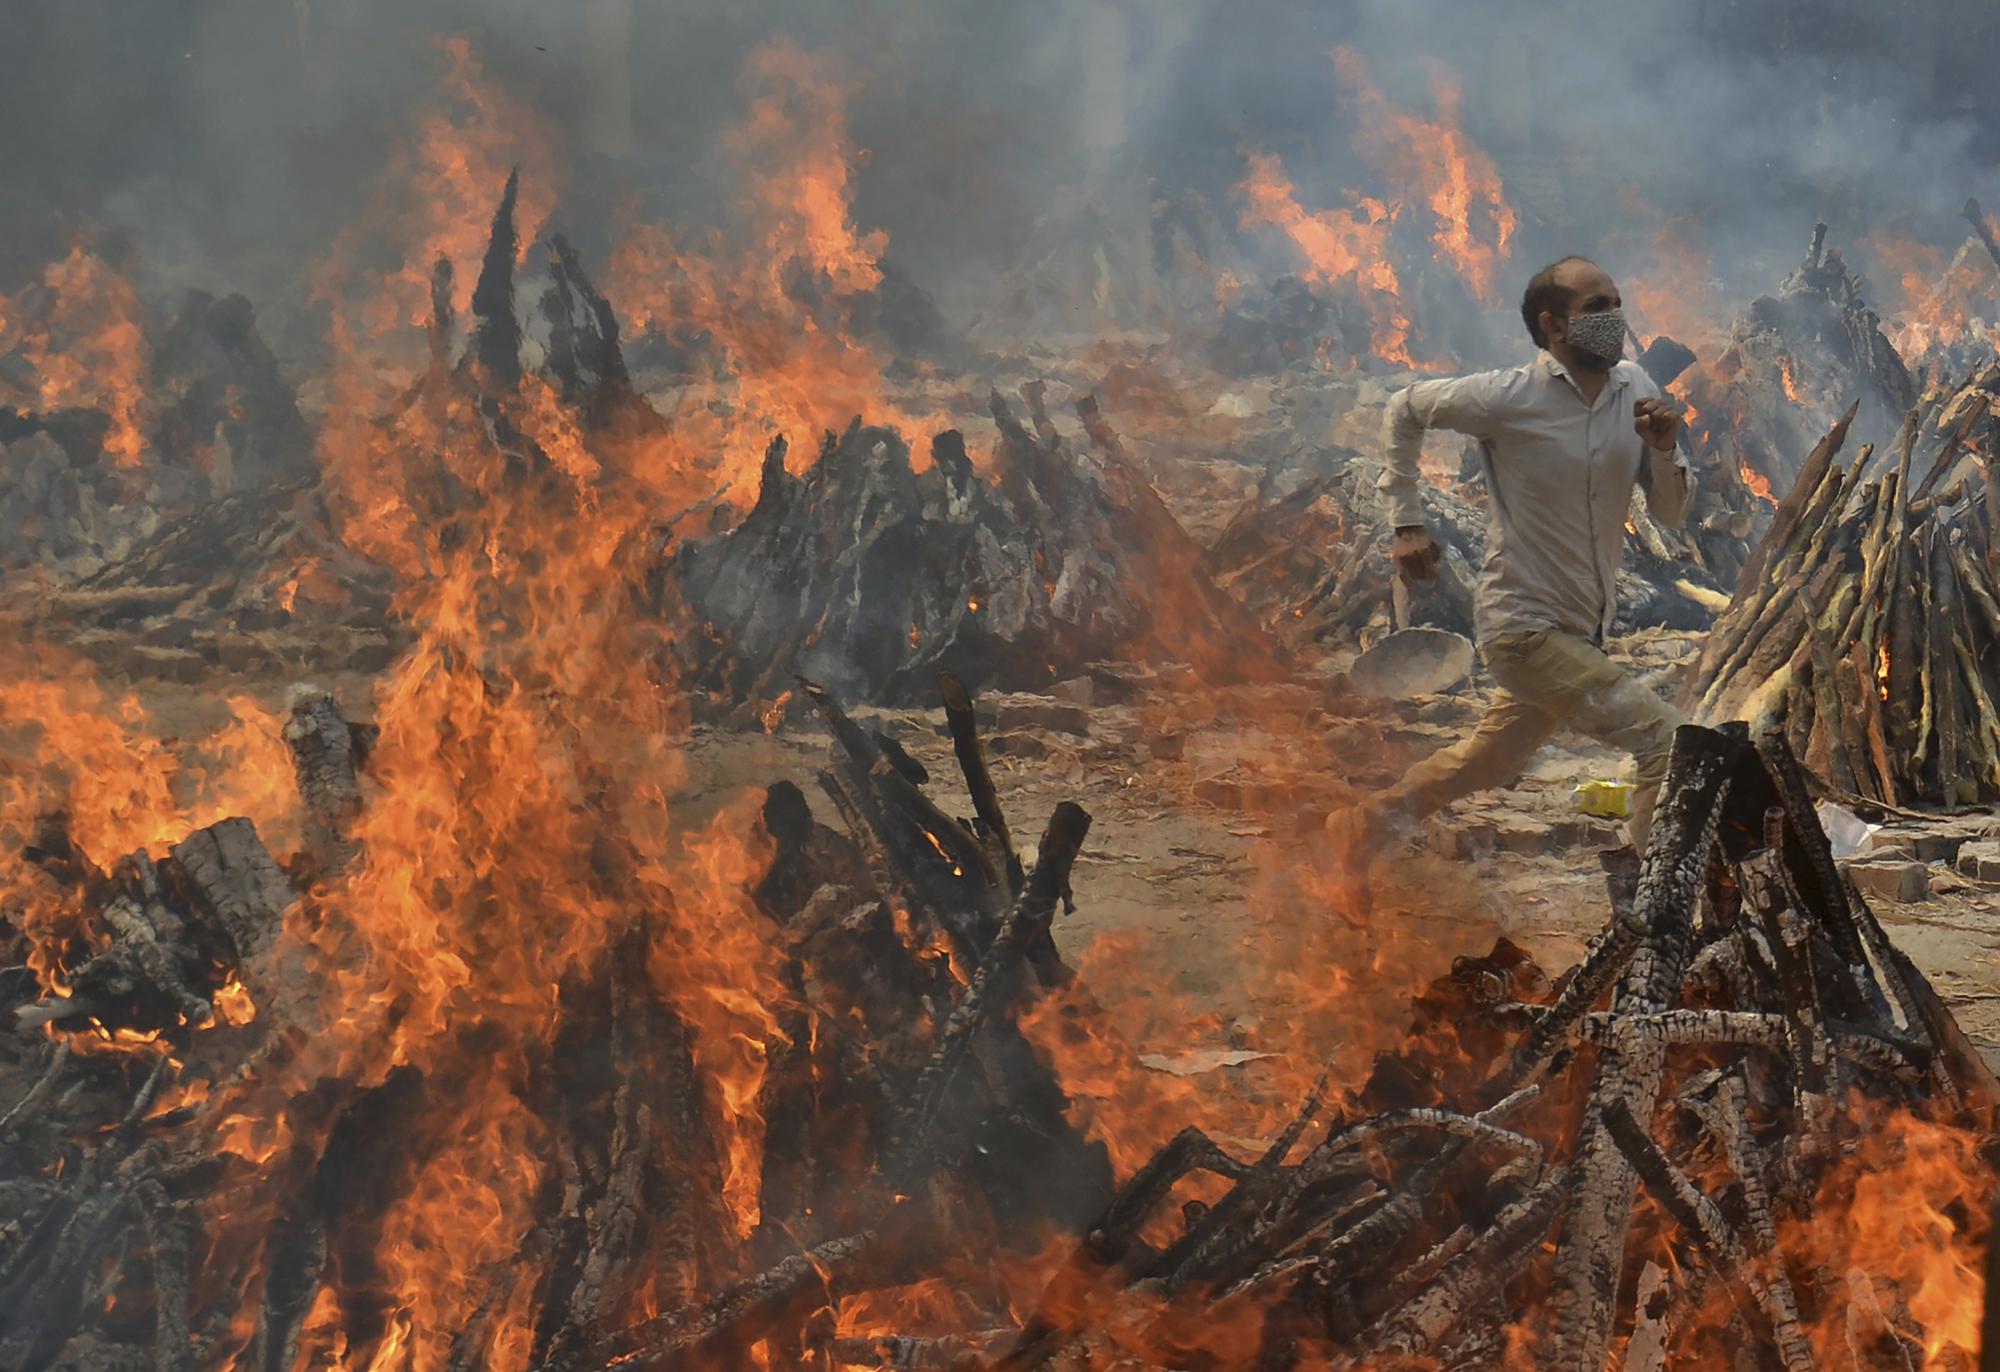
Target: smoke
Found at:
x=224, y=143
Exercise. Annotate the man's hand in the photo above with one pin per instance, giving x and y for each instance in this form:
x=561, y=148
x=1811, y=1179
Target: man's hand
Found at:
x=1657, y=421
x=1415, y=554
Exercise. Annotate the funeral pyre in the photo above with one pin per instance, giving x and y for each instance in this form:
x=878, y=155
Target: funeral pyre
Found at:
x=1865, y=623
x=509, y=1079
x=426, y=1031
x=439, y=1040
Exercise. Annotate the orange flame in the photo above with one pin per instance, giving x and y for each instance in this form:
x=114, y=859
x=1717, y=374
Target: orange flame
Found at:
x=1341, y=247
x=1432, y=162
x=765, y=362
x=1755, y=481
x=87, y=348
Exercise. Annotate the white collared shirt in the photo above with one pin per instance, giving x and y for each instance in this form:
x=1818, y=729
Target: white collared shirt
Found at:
x=1559, y=474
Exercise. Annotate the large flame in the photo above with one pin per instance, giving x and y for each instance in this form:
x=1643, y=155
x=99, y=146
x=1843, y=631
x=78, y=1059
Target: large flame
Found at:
x=1431, y=162
x=86, y=347
x=762, y=314
x=1929, y=301
x=1344, y=247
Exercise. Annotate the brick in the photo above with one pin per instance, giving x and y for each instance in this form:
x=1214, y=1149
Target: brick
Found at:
x=1521, y=835
x=1980, y=860
x=1941, y=847
x=1891, y=880
x=1892, y=843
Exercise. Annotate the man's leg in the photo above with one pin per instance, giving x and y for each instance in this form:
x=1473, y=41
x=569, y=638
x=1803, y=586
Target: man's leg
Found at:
x=1493, y=754
x=1578, y=686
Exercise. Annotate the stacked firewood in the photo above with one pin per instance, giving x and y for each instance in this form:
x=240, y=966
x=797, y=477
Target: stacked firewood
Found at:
x=912, y=936
x=1700, y=1081
x=1866, y=624
x=1753, y=1002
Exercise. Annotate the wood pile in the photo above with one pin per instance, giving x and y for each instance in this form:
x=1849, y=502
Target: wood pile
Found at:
x=910, y=937
x=1795, y=361
x=1865, y=624
x=258, y=580
x=219, y=418
x=1533, y=1157
x=873, y=576
x=1629, y=1153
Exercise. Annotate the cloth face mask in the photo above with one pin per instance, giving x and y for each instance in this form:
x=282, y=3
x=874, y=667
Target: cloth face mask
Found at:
x=1602, y=335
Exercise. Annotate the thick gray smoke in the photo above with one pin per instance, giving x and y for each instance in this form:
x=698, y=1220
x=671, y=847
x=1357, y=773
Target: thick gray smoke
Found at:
x=224, y=142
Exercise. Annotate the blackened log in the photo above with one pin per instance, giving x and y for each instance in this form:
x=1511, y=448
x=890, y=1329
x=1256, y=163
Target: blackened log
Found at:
x=1700, y=773
x=1728, y=1256
x=738, y=1315
x=963, y=722
x=1062, y=1309
x=496, y=337
x=1216, y=1242
x=230, y=881
x=1809, y=859
x=326, y=759
x=1486, y=1265
x=993, y=985
x=583, y=351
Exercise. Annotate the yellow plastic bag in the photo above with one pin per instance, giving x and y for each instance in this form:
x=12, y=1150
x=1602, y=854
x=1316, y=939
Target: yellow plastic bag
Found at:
x=1604, y=799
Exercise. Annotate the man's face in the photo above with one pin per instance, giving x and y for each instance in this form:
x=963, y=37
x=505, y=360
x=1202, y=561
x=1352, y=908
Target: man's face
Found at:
x=1592, y=291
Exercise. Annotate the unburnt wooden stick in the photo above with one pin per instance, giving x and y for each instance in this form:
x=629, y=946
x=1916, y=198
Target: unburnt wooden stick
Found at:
x=1940, y=664
x=1813, y=475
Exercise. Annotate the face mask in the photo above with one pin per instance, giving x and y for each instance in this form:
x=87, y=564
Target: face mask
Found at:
x=1600, y=336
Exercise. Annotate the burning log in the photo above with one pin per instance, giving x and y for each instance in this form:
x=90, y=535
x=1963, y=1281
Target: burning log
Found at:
x=1425, y=1283
x=935, y=1085
x=1412, y=1227
x=1861, y=623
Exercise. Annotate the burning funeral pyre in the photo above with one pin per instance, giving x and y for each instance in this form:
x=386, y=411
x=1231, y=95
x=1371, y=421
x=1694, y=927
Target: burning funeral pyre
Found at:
x=259, y=1146
x=428, y=1023
x=456, y=1051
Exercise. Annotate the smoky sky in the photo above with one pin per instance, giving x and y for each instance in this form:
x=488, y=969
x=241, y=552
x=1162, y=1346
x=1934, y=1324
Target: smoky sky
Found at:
x=222, y=143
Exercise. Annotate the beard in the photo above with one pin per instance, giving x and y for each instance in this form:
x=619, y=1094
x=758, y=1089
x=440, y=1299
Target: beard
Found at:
x=1584, y=361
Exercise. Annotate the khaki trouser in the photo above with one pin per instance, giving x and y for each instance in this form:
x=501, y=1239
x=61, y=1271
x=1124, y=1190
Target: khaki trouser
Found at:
x=1548, y=679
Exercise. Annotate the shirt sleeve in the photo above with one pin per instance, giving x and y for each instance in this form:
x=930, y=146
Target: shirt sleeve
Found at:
x=1665, y=477
x=1463, y=404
